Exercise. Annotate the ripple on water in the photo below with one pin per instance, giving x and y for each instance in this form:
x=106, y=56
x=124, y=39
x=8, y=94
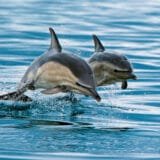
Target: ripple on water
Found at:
x=126, y=121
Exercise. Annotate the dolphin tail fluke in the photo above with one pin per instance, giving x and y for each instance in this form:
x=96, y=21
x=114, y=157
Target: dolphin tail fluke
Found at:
x=15, y=96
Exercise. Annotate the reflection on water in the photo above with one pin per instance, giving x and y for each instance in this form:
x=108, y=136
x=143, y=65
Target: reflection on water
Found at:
x=125, y=124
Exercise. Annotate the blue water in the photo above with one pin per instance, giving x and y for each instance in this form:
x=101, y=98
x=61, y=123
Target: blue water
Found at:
x=125, y=125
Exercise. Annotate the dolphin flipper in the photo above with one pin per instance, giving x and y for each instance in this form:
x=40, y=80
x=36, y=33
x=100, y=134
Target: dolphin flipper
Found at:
x=124, y=85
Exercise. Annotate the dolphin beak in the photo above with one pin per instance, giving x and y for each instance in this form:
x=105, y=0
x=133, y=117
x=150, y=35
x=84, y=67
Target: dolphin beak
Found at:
x=94, y=94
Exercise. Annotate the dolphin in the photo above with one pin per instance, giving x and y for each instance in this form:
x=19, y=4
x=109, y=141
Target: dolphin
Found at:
x=110, y=68
x=56, y=71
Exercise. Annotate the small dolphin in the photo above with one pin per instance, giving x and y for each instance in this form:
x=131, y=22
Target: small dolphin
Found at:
x=56, y=71
x=110, y=67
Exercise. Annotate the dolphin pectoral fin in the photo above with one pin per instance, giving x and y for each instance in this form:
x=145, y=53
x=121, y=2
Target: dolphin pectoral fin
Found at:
x=124, y=85
x=52, y=90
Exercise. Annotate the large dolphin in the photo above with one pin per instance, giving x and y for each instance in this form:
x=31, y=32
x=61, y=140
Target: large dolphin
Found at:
x=56, y=71
x=110, y=67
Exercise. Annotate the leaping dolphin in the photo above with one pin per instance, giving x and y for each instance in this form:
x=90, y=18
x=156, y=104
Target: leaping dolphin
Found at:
x=56, y=71
x=110, y=67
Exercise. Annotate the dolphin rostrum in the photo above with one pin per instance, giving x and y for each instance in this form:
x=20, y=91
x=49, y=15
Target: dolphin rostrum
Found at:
x=110, y=67
x=56, y=71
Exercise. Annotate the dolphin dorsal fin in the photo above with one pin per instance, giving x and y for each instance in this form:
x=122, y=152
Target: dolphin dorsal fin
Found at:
x=97, y=44
x=54, y=41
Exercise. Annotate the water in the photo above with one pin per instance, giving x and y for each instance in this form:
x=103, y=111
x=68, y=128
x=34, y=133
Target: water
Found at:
x=125, y=125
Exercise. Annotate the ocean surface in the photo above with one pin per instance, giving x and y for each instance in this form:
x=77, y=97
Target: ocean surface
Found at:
x=125, y=124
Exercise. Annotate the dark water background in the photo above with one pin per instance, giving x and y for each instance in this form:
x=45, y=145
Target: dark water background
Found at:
x=125, y=125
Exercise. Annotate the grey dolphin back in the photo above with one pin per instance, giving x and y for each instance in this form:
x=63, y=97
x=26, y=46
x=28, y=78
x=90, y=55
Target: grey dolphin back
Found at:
x=54, y=41
x=97, y=44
